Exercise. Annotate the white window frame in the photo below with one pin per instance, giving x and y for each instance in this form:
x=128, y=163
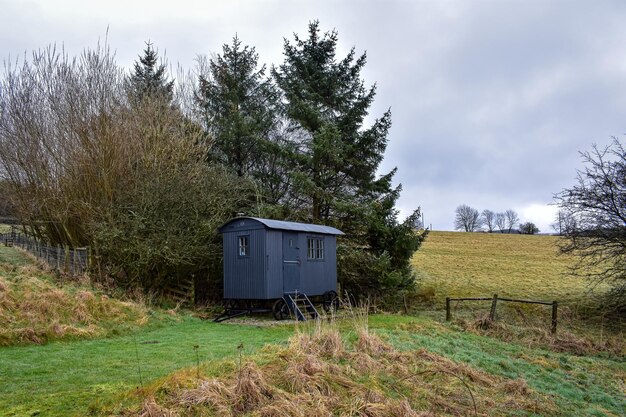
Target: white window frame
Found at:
x=315, y=248
x=243, y=246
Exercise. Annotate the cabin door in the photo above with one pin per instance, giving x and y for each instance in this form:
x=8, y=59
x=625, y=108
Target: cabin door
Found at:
x=291, y=262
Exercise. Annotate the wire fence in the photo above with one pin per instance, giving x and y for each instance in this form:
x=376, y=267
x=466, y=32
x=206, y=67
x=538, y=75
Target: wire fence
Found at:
x=494, y=302
x=71, y=261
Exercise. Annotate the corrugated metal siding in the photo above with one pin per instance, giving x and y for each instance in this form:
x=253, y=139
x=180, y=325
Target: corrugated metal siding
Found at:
x=274, y=263
x=317, y=277
x=260, y=275
x=244, y=277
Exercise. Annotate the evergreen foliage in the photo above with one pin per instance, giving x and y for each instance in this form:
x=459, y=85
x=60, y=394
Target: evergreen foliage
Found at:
x=335, y=167
x=149, y=79
x=238, y=107
x=118, y=163
x=528, y=228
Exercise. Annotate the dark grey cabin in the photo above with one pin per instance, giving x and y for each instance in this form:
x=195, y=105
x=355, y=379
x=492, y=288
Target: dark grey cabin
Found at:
x=265, y=259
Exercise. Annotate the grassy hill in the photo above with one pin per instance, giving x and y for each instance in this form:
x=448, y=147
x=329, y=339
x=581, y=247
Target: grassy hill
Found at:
x=458, y=264
x=384, y=365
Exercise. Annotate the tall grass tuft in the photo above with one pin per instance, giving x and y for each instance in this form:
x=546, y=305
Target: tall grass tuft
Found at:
x=33, y=309
x=318, y=373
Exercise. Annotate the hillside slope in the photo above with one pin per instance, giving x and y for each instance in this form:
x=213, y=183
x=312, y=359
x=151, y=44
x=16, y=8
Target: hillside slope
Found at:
x=34, y=308
x=459, y=264
x=393, y=366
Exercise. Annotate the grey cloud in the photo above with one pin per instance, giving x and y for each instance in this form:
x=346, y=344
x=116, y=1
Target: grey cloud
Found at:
x=491, y=100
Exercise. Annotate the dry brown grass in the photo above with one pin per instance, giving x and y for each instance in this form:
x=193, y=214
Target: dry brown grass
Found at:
x=35, y=310
x=534, y=335
x=319, y=374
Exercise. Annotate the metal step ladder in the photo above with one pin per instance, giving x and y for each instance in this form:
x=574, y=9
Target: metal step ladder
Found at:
x=300, y=306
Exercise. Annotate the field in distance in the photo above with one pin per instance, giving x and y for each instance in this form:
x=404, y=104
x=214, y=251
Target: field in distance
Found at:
x=455, y=264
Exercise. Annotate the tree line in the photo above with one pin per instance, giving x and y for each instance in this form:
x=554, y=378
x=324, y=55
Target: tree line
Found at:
x=469, y=219
x=591, y=222
x=143, y=168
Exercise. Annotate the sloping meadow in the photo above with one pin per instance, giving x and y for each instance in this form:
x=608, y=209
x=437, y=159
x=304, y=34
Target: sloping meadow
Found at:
x=320, y=373
x=35, y=309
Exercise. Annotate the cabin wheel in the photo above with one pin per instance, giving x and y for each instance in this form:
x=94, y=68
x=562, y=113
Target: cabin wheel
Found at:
x=331, y=302
x=281, y=310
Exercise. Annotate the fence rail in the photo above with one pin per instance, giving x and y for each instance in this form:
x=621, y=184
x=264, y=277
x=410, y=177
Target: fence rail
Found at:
x=72, y=261
x=494, y=303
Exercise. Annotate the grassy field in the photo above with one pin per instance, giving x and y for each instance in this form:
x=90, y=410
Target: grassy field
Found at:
x=67, y=378
x=458, y=264
x=402, y=366
x=103, y=376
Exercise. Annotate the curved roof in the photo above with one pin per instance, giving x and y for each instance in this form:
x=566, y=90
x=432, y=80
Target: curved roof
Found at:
x=293, y=226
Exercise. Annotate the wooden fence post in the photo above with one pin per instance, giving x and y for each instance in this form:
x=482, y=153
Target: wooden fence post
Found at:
x=448, y=313
x=555, y=306
x=492, y=313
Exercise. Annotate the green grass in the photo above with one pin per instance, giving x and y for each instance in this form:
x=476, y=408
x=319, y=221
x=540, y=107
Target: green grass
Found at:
x=12, y=256
x=88, y=376
x=580, y=386
x=62, y=379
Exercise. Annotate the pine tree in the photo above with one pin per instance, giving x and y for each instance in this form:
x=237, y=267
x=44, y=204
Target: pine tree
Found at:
x=327, y=102
x=149, y=79
x=335, y=169
x=237, y=103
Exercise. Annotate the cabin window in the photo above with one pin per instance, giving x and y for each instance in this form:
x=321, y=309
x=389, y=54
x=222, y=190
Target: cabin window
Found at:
x=320, y=248
x=244, y=246
x=315, y=248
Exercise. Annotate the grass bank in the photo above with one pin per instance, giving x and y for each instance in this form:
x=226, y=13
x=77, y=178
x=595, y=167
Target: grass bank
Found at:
x=397, y=365
x=123, y=374
x=35, y=307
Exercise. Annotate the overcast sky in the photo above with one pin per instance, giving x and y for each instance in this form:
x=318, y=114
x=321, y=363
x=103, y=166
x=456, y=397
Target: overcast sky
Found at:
x=491, y=100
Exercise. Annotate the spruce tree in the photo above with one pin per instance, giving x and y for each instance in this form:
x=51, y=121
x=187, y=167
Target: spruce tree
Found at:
x=237, y=103
x=149, y=79
x=335, y=168
x=234, y=100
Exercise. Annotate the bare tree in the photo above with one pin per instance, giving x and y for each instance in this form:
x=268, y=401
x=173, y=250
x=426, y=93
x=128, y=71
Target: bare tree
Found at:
x=562, y=222
x=501, y=222
x=83, y=167
x=511, y=219
x=467, y=218
x=595, y=209
x=488, y=218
